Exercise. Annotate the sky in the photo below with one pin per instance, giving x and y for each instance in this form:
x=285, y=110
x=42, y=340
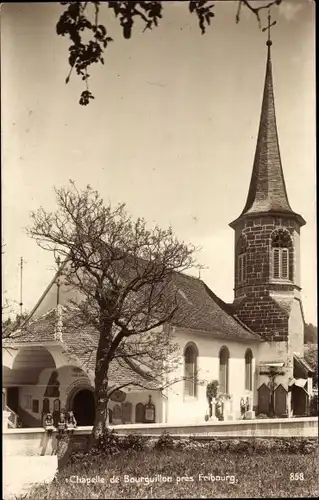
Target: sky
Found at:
x=171, y=132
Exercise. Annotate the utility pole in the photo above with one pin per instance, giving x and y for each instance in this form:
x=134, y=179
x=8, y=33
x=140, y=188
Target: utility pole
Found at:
x=21, y=287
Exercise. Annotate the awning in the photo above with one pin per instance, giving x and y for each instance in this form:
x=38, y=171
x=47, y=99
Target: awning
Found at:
x=278, y=364
x=299, y=382
x=301, y=368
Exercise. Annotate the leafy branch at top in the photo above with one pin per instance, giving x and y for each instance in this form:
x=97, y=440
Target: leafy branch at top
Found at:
x=89, y=38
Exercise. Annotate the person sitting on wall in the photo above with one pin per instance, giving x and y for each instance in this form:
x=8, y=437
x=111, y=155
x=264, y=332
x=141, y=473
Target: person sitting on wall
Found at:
x=48, y=423
x=71, y=422
x=61, y=423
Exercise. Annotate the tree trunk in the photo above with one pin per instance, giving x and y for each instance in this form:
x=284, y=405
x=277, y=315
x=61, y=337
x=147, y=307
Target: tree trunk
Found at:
x=101, y=411
x=101, y=382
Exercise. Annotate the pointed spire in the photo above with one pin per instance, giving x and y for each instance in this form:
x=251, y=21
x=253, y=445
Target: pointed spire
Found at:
x=267, y=190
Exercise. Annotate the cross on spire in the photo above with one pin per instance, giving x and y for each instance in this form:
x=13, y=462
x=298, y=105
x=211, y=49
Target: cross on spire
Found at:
x=267, y=190
x=269, y=42
x=58, y=283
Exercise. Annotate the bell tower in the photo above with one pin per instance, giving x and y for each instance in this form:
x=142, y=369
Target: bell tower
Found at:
x=267, y=234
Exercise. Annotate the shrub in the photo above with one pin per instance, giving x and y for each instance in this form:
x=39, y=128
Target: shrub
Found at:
x=112, y=444
x=262, y=446
x=109, y=443
x=78, y=457
x=314, y=406
x=180, y=444
x=135, y=442
x=165, y=441
x=214, y=445
x=310, y=446
x=212, y=390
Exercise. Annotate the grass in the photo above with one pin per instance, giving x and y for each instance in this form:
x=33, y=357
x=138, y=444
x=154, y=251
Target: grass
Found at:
x=249, y=476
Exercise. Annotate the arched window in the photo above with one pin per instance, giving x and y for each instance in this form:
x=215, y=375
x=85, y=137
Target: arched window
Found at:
x=241, y=261
x=224, y=370
x=281, y=245
x=249, y=370
x=190, y=363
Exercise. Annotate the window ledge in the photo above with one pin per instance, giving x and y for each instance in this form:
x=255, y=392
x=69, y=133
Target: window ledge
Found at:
x=281, y=281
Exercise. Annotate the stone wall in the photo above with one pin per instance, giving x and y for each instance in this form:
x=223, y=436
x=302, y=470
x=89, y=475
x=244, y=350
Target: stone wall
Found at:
x=32, y=442
x=254, y=305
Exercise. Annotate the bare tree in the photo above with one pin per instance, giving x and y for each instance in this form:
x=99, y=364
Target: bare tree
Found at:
x=9, y=326
x=89, y=38
x=10, y=321
x=123, y=275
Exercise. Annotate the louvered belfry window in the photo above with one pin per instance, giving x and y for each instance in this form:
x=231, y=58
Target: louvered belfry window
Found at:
x=281, y=255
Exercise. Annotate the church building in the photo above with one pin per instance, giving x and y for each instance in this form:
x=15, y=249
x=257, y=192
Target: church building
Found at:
x=253, y=348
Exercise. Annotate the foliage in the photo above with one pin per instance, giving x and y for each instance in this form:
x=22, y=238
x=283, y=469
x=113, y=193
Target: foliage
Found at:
x=212, y=390
x=311, y=356
x=314, y=409
x=109, y=443
x=134, y=442
x=165, y=441
x=11, y=326
x=258, y=475
x=310, y=334
x=89, y=38
x=121, y=274
x=223, y=396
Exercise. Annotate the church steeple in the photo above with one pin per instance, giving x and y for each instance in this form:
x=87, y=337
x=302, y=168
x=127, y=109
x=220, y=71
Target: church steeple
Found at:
x=267, y=234
x=267, y=190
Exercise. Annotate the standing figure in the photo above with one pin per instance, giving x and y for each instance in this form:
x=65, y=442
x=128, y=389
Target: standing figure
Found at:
x=61, y=423
x=71, y=422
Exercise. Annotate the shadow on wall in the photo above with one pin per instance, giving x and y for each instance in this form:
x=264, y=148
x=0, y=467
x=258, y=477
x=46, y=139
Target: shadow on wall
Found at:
x=48, y=444
x=61, y=446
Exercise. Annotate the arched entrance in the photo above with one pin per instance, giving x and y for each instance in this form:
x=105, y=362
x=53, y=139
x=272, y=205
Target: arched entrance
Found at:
x=84, y=407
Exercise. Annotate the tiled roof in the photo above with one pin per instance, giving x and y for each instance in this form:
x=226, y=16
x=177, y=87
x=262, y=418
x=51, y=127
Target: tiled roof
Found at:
x=80, y=345
x=84, y=345
x=267, y=190
x=38, y=330
x=200, y=309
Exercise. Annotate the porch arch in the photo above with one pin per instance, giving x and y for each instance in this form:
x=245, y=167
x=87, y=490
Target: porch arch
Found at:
x=81, y=401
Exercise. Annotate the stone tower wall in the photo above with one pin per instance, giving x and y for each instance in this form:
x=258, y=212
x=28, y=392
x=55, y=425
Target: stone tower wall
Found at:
x=254, y=301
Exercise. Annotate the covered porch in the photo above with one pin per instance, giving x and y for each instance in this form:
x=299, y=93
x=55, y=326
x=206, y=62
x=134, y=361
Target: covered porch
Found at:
x=38, y=379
